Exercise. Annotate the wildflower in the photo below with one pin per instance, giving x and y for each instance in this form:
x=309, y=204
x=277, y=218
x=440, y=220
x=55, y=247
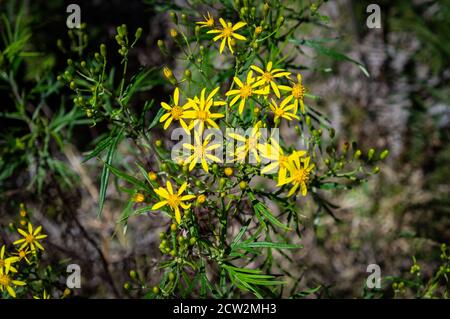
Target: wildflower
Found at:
x=250, y=144
x=283, y=110
x=174, y=200
x=201, y=113
x=228, y=171
x=152, y=176
x=245, y=91
x=299, y=170
x=201, y=152
x=227, y=33
x=268, y=76
x=297, y=92
x=278, y=159
x=175, y=112
x=209, y=21
x=201, y=199
x=7, y=282
x=22, y=254
x=31, y=239
x=7, y=261
x=138, y=198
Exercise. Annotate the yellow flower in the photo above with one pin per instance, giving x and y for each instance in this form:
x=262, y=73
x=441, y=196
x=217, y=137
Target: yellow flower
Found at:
x=209, y=21
x=283, y=110
x=227, y=33
x=201, y=199
x=299, y=170
x=31, y=239
x=7, y=282
x=201, y=113
x=152, y=176
x=297, y=92
x=138, y=198
x=22, y=254
x=175, y=112
x=250, y=144
x=268, y=76
x=278, y=159
x=228, y=171
x=245, y=91
x=201, y=152
x=174, y=200
x=10, y=260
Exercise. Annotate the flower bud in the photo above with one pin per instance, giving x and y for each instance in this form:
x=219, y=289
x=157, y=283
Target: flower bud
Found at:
x=103, y=50
x=384, y=154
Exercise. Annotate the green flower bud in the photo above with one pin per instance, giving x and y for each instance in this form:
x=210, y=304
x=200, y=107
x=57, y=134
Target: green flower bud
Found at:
x=357, y=154
x=155, y=290
x=370, y=154
x=133, y=274
x=103, y=50
x=171, y=276
x=384, y=154
x=173, y=16
x=243, y=185
x=138, y=34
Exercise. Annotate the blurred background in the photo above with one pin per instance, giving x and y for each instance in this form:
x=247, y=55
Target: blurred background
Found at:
x=404, y=106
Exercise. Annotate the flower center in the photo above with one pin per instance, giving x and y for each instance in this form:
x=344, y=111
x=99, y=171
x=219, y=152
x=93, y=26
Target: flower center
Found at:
x=29, y=238
x=202, y=115
x=298, y=91
x=199, y=151
x=227, y=32
x=5, y=280
x=210, y=22
x=301, y=176
x=279, y=112
x=173, y=200
x=21, y=254
x=176, y=112
x=267, y=76
x=246, y=91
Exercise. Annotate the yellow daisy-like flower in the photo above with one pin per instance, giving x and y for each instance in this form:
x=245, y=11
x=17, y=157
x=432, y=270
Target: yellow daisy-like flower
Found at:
x=22, y=254
x=278, y=159
x=173, y=200
x=7, y=282
x=299, y=170
x=209, y=21
x=245, y=91
x=283, y=110
x=250, y=144
x=201, y=113
x=175, y=112
x=201, y=152
x=297, y=92
x=8, y=260
x=31, y=239
x=267, y=77
x=227, y=33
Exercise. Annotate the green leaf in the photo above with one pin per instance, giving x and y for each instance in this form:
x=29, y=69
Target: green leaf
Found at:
x=101, y=146
x=264, y=244
x=329, y=52
x=260, y=208
x=156, y=119
x=132, y=180
x=105, y=171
